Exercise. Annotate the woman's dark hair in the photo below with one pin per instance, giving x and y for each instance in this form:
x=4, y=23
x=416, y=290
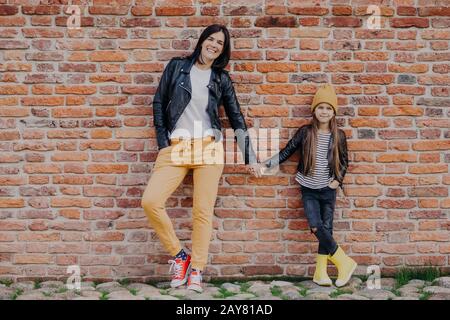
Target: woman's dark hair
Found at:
x=222, y=60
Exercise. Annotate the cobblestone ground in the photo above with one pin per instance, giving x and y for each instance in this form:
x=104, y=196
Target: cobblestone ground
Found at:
x=356, y=289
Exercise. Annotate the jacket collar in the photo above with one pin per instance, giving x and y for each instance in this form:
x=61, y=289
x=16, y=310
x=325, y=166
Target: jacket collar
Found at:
x=188, y=63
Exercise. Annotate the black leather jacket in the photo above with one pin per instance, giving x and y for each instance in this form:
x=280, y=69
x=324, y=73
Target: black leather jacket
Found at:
x=296, y=144
x=174, y=93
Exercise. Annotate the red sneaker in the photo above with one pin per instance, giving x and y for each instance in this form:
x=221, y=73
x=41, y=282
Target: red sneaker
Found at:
x=180, y=271
x=195, y=281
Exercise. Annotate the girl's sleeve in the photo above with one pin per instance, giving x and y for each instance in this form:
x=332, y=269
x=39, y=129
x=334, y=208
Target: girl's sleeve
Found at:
x=287, y=151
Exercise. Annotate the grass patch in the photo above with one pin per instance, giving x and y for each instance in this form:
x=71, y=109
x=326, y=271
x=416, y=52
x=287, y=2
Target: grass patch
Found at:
x=37, y=284
x=224, y=293
x=62, y=290
x=134, y=291
x=303, y=291
x=47, y=294
x=425, y=295
x=277, y=292
x=164, y=292
x=6, y=282
x=363, y=277
x=245, y=286
x=339, y=292
x=396, y=292
x=404, y=275
x=16, y=293
x=124, y=282
x=104, y=295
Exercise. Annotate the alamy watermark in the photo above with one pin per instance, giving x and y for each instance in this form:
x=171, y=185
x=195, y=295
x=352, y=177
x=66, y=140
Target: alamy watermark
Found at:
x=74, y=281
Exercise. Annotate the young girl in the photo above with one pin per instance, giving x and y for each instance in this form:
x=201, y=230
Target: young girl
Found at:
x=321, y=170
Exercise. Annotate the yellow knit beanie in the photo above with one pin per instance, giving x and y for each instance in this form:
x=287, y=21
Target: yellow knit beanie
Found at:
x=325, y=94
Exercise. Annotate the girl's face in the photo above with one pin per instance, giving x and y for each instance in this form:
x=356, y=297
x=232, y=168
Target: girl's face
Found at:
x=324, y=112
x=212, y=47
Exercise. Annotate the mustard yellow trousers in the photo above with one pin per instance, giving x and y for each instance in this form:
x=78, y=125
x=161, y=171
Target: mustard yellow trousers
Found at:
x=205, y=157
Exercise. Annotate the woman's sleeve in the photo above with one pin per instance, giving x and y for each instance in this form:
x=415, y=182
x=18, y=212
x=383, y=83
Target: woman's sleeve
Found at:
x=160, y=100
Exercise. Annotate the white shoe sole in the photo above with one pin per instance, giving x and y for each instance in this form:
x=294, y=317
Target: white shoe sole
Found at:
x=195, y=288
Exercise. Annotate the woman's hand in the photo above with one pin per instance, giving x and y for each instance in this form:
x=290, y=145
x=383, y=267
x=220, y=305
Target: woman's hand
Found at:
x=255, y=169
x=334, y=184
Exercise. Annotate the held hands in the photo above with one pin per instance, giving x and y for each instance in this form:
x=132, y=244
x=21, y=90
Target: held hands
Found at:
x=256, y=170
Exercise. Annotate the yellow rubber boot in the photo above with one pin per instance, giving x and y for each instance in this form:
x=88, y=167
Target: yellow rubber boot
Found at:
x=345, y=266
x=320, y=275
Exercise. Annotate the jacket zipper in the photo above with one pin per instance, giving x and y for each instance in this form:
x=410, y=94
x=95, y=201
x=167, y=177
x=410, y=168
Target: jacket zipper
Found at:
x=173, y=129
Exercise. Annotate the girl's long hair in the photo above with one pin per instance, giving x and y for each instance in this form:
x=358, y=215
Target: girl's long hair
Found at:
x=310, y=147
x=222, y=60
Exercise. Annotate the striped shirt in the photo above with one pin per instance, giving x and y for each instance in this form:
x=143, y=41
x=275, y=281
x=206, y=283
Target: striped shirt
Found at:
x=320, y=176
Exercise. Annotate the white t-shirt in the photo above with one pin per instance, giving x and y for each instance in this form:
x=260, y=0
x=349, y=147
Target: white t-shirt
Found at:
x=195, y=122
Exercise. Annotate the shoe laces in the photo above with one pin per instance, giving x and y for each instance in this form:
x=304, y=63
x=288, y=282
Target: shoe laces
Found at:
x=176, y=267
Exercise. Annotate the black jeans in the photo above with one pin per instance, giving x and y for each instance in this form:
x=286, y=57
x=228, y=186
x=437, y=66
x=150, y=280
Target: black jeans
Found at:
x=319, y=210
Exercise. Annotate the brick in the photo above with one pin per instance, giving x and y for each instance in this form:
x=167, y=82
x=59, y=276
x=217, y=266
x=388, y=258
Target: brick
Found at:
x=397, y=204
x=406, y=11
x=42, y=33
x=7, y=10
x=375, y=79
x=343, y=22
x=231, y=259
x=275, y=89
x=35, y=236
x=403, y=111
x=258, y=270
x=428, y=192
x=373, y=123
x=104, y=236
x=41, y=10
x=276, y=67
x=236, y=236
x=32, y=259
x=274, y=21
x=175, y=11
x=342, y=11
x=12, y=21
x=12, y=225
x=434, y=11
x=429, y=236
x=108, y=56
x=397, y=157
x=308, y=11
x=431, y=145
x=108, y=10
x=409, y=22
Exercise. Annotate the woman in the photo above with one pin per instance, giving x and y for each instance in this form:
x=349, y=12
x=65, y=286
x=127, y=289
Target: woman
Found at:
x=185, y=111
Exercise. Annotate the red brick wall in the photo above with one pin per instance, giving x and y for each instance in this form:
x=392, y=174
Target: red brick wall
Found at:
x=77, y=141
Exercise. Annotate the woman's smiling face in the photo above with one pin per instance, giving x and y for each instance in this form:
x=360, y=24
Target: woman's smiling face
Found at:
x=212, y=47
